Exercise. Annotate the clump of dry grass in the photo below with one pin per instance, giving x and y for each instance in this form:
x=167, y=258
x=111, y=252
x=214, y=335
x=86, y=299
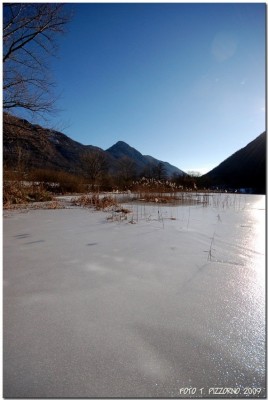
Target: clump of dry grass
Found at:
x=94, y=200
x=54, y=205
x=15, y=192
x=119, y=214
x=152, y=197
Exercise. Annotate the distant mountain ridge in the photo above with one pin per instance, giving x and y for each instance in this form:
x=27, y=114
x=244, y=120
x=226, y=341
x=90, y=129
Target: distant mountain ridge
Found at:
x=122, y=149
x=41, y=148
x=47, y=148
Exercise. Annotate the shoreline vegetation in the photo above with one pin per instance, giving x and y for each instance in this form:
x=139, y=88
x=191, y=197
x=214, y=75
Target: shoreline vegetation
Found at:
x=20, y=193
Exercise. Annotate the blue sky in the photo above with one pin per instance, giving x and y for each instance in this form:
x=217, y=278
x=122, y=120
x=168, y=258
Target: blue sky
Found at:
x=184, y=83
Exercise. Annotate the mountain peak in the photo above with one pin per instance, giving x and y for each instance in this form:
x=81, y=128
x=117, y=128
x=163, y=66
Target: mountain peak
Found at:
x=122, y=149
x=120, y=145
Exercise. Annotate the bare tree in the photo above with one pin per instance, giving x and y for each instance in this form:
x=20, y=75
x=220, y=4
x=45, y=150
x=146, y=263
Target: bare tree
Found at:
x=148, y=171
x=29, y=32
x=95, y=164
x=127, y=170
x=160, y=171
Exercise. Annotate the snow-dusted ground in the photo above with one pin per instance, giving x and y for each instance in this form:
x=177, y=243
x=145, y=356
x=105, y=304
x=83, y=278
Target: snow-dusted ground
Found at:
x=95, y=307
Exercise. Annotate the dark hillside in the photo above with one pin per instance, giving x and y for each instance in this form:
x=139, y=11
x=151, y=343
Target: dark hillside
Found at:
x=37, y=147
x=244, y=169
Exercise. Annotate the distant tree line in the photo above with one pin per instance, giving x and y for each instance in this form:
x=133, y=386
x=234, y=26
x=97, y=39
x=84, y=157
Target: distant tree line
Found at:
x=99, y=173
x=95, y=172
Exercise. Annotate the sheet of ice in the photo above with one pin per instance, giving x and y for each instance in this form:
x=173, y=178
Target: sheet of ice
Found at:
x=175, y=299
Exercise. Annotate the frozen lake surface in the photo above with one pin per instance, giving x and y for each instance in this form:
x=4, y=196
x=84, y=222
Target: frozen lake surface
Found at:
x=102, y=308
